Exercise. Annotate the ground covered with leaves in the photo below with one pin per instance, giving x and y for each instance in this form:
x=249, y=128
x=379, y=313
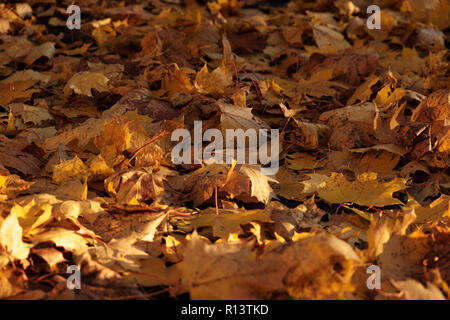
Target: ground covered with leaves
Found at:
x=87, y=179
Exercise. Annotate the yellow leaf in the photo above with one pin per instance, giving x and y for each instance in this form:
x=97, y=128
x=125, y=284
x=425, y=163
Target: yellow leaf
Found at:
x=377, y=235
x=227, y=222
x=11, y=240
x=69, y=170
x=302, y=161
x=74, y=189
x=99, y=169
x=79, y=138
x=32, y=215
x=439, y=208
x=366, y=190
x=386, y=96
x=213, y=82
x=12, y=185
x=175, y=82
x=154, y=272
x=118, y=135
x=63, y=238
x=11, y=282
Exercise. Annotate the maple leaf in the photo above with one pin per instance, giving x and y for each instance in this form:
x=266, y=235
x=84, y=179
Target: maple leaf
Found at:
x=437, y=209
x=121, y=250
x=349, y=66
x=402, y=256
x=18, y=90
x=32, y=216
x=366, y=190
x=27, y=75
x=78, y=138
x=134, y=186
x=260, y=188
x=213, y=82
x=65, y=238
x=289, y=184
x=307, y=135
x=141, y=101
x=245, y=182
x=50, y=255
x=233, y=117
x=319, y=85
x=202, y=182
x=83, y=82
x=118, y=135
x=101, y=281
x=69, y=170
x=11, y=244
x=227, y=222
x=325, y=36
x=99, y=169
x=87, y=177
x=301, y=161
x=27, y=113
x=174, y=82
x=227, y=270
x=46, y=49
x=364, y=91
x=434, y=107
x=12, y=185
x=10, y=284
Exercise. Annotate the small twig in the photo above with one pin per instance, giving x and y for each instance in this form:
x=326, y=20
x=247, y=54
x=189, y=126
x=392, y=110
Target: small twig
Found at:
x=217, y=203
x=183, y=213
x=257, y=88
x=335, y=214
x=337, y=210
x=381, y=212
x=285, y=124
x=237, y=76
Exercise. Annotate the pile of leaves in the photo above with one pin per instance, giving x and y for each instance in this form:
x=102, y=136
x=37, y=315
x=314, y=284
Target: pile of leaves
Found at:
x=87, y=179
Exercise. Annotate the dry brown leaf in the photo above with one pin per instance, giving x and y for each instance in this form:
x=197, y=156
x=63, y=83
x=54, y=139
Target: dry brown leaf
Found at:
x=414, y=290
x=213, y=82
x=12, y=185
x=232, y=270
x=83, y=82
x=134, y=186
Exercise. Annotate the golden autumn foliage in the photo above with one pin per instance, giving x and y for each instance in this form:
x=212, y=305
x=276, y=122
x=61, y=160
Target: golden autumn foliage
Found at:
x=87, y=178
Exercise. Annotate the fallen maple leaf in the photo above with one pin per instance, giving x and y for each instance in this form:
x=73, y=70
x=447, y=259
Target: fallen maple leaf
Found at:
x=69, y=170
x=83, y=82
x=12, y=185
x=213, y=82
x=11, y=245
x=233, y=117
x=19, y=90
x=227, y=222
x=232, y=270
x=134, y=186
x=121, y=250
x=366, y=190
